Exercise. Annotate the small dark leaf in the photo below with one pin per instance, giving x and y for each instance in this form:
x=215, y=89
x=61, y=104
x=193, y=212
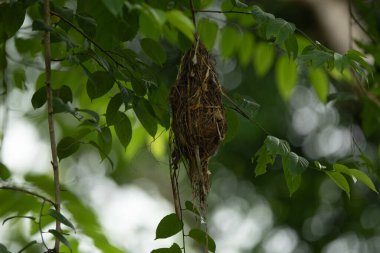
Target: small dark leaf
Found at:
x=59, y=217
x=39, y=25
x=145, y=114
x=87, y=24
x=4, y=249
x=200, y=237
x=112, y=108
x=39, y=98
x=168, y=226
x=105, y=140
x=60, y=106
x=64, y=93
x=12, y=16
x=4, y=172
x=92, y=113
x=60, y=237
x=123, y=128
x=190, y=206
x=173, y=249
x=101, y=152
x=67, y=146
x=98, y=84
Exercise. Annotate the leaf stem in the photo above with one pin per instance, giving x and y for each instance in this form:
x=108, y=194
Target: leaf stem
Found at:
x=49, y=95
x=18, y=189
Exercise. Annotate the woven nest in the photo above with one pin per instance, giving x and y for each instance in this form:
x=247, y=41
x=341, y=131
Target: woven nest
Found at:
x=198, y=120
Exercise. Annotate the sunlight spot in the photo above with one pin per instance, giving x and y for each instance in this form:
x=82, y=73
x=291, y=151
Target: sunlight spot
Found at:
x=282, y=240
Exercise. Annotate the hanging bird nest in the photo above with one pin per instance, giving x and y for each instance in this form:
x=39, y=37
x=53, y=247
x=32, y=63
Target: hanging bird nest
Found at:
x=198, y=118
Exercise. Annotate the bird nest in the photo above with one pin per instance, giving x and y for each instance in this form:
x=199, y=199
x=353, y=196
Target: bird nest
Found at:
x=198, y=118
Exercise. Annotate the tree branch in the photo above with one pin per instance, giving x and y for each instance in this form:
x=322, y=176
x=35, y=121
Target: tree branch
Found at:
x=49, y=95
x=18, y=189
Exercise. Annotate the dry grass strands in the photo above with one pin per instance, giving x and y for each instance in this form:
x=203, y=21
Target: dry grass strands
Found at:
x=198, y=121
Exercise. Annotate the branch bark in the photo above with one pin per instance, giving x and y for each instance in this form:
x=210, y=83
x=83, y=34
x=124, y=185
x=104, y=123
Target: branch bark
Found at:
x=49, y=95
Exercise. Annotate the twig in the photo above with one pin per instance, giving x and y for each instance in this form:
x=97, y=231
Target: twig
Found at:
x=373, y=39
x=40, y=226
x=18, y=189
x=192, y=12
x=88, y=38
x=49, y=95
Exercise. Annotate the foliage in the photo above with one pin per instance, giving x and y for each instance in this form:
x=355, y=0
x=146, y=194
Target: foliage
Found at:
x=113, y=62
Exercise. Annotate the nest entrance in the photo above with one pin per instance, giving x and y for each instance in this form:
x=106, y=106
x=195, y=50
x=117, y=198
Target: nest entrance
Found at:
x=198, y=118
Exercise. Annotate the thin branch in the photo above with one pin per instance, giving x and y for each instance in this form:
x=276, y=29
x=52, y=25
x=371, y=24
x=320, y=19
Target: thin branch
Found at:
x=49, y=95
x=40, y=226
x=18, y=189
x=224, y=12
x=352, y=15
x=192, y=12
x=88, y=38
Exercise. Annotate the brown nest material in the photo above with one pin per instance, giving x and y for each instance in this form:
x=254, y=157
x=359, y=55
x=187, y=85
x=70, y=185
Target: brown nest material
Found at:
x=198, y=121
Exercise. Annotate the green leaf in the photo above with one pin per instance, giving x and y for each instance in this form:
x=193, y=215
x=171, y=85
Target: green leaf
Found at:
x=114, y=6
x=263, y=57
x=181, y=22
x=208, y=30
x=339, y=180
x=39, y=25
x=295, y=163
x=320, y=82
x=358, y=57
x=123, y=128
x=200, y=237
x=154, y=50
x=280, y=30
x=60, y=106
x=315, y=56
x=356, y=174
x=87, y=24
x=12, y=16
x=148, y=26
x=67, y=146
x=341, y=62
x=263, y=158
x=293, y=181
x=168, y=226
x=59, y=217
x=101, y=152
x=229, y=41
x=19, y=78
x=190, y=207
x=105, y=141
x=277, y=146
x=261, y=17
x=4, y=249
x=145, y=114
x=98, y=84
x=112, y=108
x=39, y=98
x=93, y=114
x=246, y=49
x=291, y=45
x=286, y=76
x=173, y=249
x=158, y=98
x=4, y=172
x=64, y=93
x=60, y=237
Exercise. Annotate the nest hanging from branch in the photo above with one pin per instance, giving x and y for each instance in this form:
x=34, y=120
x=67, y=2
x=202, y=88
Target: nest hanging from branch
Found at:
x=198, y=118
